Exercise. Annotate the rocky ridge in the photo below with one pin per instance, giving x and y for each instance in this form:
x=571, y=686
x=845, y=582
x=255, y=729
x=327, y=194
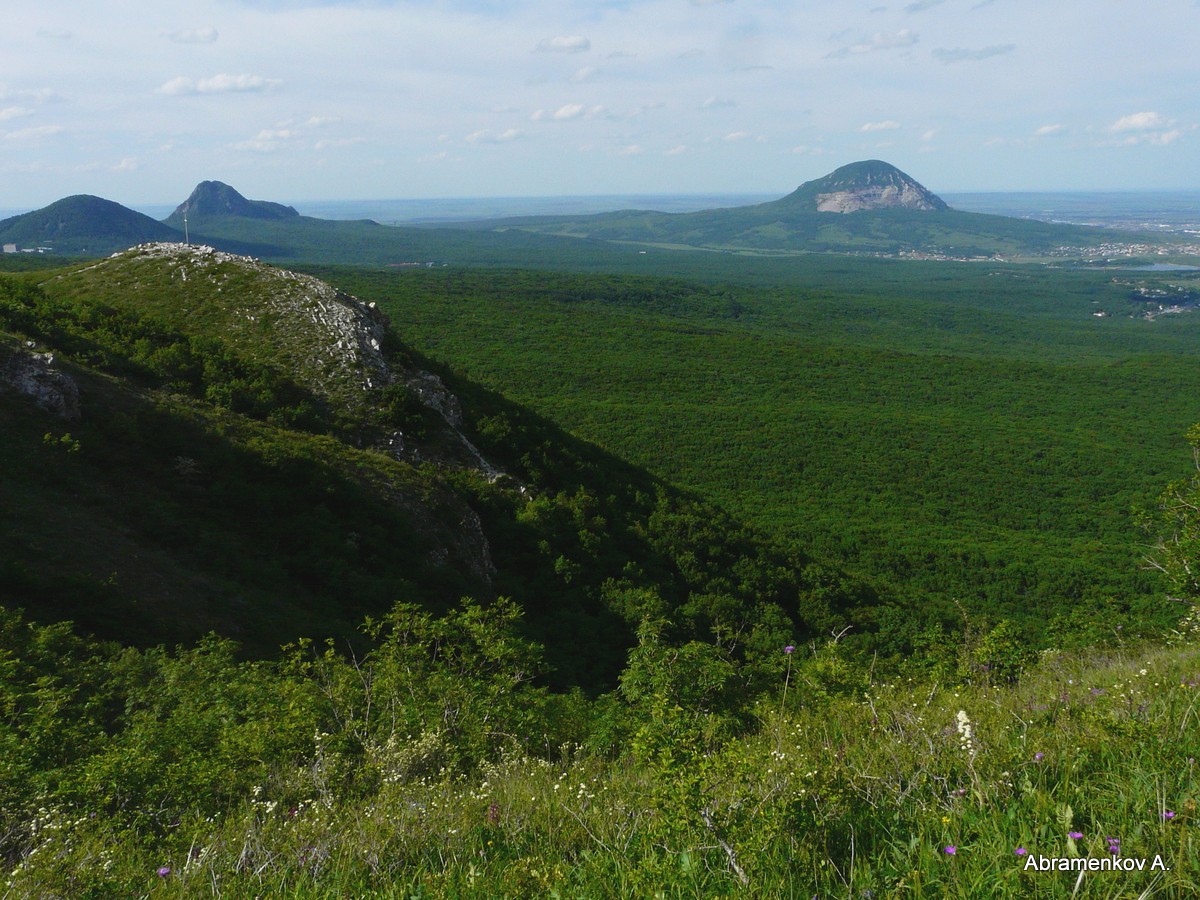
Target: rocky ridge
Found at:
x=329, y=342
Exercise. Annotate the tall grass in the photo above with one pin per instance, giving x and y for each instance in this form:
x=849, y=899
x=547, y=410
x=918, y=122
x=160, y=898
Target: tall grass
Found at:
x=906, y=788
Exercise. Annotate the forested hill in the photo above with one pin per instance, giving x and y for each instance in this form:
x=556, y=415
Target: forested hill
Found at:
x=196, y=441
x=867, y=207
x=83, y=225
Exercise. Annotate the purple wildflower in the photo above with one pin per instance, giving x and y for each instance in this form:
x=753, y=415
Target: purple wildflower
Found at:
x=1114, y=846
x=1075, y=835
x=164, y=871
x=789, y=649
x=1039, y=756
x=950, y=850
x=1020, y=851
x=1168, y=815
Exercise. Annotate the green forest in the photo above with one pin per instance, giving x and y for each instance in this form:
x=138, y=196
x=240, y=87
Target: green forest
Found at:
x=811, y=576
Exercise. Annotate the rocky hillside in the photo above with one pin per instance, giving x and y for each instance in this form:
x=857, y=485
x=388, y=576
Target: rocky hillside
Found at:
x=327, y=341
x=196, y=441
x=869, y=185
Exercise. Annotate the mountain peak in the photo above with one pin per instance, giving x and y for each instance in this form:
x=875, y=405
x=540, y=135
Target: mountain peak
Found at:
x=213, y=199
x=866, y=185
x=83, y=223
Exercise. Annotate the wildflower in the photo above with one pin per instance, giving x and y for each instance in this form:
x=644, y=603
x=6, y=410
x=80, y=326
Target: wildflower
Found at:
x=1075, y=835
x=1039, y=756
x=1020, y=851
x=789, y=649
x=963, y=725
x=1168, y=815
x=1114, y=846
x=164, y=871
x=950, y=850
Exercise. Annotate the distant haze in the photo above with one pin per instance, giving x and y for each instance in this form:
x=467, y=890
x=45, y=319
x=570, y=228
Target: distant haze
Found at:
x=296, y=100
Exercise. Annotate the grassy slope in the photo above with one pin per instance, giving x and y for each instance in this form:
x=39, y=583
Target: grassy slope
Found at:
x=173, y=519
x=845, y=785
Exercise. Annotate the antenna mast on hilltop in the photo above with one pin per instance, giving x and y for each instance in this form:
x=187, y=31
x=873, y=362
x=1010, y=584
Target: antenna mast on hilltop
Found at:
x=185, y=230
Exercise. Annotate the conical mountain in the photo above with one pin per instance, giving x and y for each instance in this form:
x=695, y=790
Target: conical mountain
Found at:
x=215, y=199
x=84, y=224
x=867, y=185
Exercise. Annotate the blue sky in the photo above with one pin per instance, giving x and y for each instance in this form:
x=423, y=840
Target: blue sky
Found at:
x=298, y=100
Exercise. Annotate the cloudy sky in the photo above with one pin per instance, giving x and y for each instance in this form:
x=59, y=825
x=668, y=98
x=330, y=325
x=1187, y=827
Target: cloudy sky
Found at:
x=297, y=100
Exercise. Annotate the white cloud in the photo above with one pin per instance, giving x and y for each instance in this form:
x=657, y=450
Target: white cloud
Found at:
x=888, y=125
x=194, y=36
x=572, y=43
x=587, y=73
x=675, y=151
x=569, y=111
x=960, y=54
x=1048, y=130
x=715, y=102
x=219, y=84
x=1144, y=128
x=1142, y=121
x=34, y=134
x=128, y=164
x=484, y=136
x=879, y=41
x=14, y=112
x=266, y=141
x=736, y=136
x=631, y=150
x=222, y=84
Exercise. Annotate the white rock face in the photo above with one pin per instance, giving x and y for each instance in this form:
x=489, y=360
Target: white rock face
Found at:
x=33, y=374
x=875, y=196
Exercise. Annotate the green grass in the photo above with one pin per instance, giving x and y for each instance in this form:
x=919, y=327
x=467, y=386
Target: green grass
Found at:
x=851, y=791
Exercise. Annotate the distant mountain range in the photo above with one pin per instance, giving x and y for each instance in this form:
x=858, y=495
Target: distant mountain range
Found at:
x=866, y=207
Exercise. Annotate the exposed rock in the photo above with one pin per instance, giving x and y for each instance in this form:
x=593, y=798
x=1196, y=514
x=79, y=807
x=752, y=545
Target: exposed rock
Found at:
x=331, y=342
x=868, y=185
x=34, y=375
x=429, y=389
x=880, y=196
